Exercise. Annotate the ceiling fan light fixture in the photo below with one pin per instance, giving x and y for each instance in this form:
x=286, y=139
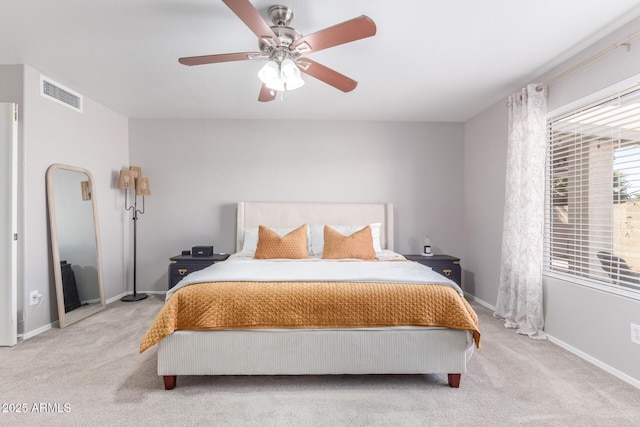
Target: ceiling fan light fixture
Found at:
x=289, y=71
x=294, y=83
x=276, y=84
x=281, y=77
x=269, y=73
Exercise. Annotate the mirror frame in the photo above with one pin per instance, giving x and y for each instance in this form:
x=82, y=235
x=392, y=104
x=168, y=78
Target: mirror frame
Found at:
x=66, y=319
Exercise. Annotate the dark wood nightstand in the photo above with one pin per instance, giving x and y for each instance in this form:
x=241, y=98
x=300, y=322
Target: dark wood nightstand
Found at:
x=182, y=265
x=446, y=265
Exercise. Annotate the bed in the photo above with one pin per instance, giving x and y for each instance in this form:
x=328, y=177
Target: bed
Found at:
x=314, y=346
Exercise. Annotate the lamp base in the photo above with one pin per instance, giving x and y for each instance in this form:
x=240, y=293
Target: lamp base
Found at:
x=133, y=297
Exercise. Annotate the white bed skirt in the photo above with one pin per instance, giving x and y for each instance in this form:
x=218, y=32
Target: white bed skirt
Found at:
x=404, y=350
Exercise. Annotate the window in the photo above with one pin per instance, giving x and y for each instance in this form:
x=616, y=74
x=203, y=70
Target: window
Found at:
x=592, y=220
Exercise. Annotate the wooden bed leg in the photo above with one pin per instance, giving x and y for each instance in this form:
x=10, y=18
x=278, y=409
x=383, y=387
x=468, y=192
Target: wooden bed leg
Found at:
x=454, y=380
x=169, y=382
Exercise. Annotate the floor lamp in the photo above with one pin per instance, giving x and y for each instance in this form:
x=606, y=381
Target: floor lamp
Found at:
x=132, y=179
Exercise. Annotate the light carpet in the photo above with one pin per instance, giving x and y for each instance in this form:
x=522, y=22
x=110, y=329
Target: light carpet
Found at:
x=92, y=374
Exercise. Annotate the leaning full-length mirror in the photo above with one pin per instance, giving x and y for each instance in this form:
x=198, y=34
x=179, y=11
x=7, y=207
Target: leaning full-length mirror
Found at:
x=75, y=242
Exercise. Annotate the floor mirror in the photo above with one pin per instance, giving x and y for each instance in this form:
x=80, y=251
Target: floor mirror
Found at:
x=75, y=242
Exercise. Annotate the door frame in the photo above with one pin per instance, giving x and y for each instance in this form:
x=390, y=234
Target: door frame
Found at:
x=9, y=235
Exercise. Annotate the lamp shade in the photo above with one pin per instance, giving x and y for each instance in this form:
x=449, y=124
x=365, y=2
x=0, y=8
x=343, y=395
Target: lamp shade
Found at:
x=143, y=187
x=136, y=171
x=126, y=180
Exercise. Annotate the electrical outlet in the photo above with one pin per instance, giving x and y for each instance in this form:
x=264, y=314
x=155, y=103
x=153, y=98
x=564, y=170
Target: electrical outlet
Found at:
x=635, y=333
x=33, y=297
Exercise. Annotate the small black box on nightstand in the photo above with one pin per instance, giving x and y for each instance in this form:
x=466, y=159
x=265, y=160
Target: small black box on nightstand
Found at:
x=202, y=251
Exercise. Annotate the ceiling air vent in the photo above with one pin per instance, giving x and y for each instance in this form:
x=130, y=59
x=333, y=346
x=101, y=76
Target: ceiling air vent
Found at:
x=60, y=94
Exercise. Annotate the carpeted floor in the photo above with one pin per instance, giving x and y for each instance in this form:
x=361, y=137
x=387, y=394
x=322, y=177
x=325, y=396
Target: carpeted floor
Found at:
x=92, y=374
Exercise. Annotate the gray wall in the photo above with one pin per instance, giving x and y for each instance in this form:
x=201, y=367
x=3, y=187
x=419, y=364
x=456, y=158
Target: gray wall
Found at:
x=589, y=322
x=485, y=154
x=50, y=133
x=199, y=170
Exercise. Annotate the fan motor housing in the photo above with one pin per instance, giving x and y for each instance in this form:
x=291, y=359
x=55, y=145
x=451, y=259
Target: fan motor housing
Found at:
x=280, y=15
x=286, y=35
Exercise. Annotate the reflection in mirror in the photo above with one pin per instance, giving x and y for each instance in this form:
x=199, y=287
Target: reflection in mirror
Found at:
x=75, y=242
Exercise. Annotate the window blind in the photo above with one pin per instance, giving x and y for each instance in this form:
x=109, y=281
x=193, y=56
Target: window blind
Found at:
x=592, y=219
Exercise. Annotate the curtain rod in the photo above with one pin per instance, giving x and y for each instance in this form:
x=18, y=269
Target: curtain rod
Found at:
x=623, y=42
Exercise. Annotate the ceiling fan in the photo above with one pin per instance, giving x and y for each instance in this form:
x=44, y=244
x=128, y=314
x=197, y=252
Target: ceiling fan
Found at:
x=283, y=47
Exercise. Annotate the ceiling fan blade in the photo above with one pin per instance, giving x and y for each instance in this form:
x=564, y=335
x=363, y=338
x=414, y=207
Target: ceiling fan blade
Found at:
x=345, y=32
x=223, y=57
x=252, y=19
x=327, y=75
x=266, y=94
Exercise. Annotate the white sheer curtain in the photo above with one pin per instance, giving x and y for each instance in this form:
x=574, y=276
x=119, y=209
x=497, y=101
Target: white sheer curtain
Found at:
x=520, y=293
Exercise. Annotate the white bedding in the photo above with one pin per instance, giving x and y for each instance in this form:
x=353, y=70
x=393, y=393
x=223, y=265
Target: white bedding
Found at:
x=239, y=268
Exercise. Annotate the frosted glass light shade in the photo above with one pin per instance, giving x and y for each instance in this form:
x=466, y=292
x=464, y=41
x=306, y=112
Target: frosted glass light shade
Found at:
x=294, y=83
x=288, y=71
x=269, y=73
x=281, y=77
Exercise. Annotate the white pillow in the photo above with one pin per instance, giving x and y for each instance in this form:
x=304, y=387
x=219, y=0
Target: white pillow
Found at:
x=317, y=235
x=250, y=239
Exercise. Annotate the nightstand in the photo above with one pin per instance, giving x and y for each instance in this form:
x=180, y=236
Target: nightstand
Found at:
x=182, y=265
x=446, y=265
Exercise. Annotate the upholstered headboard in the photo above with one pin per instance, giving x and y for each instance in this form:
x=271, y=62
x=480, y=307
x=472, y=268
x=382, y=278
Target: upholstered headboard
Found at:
x=285, y=214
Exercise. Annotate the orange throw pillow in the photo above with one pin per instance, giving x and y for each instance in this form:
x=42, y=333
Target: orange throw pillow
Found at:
x=359, y=245
x=293, y=245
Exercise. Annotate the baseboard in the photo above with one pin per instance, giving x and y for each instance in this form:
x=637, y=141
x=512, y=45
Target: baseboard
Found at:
x=117, y=297
x=613, y=371
x=45, y=328
x=38, y=331
x=479, y=301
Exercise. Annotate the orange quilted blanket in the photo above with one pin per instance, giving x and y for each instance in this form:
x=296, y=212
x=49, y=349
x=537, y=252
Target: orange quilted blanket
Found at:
x=255, y=305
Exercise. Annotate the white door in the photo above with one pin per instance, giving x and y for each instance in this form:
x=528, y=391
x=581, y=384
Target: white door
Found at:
x=8, y=223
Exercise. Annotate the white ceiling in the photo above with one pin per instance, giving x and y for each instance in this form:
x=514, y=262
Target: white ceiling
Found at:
x=431, y=60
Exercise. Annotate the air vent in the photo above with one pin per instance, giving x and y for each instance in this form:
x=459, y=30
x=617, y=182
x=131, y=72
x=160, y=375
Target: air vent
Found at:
x=60, y=94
